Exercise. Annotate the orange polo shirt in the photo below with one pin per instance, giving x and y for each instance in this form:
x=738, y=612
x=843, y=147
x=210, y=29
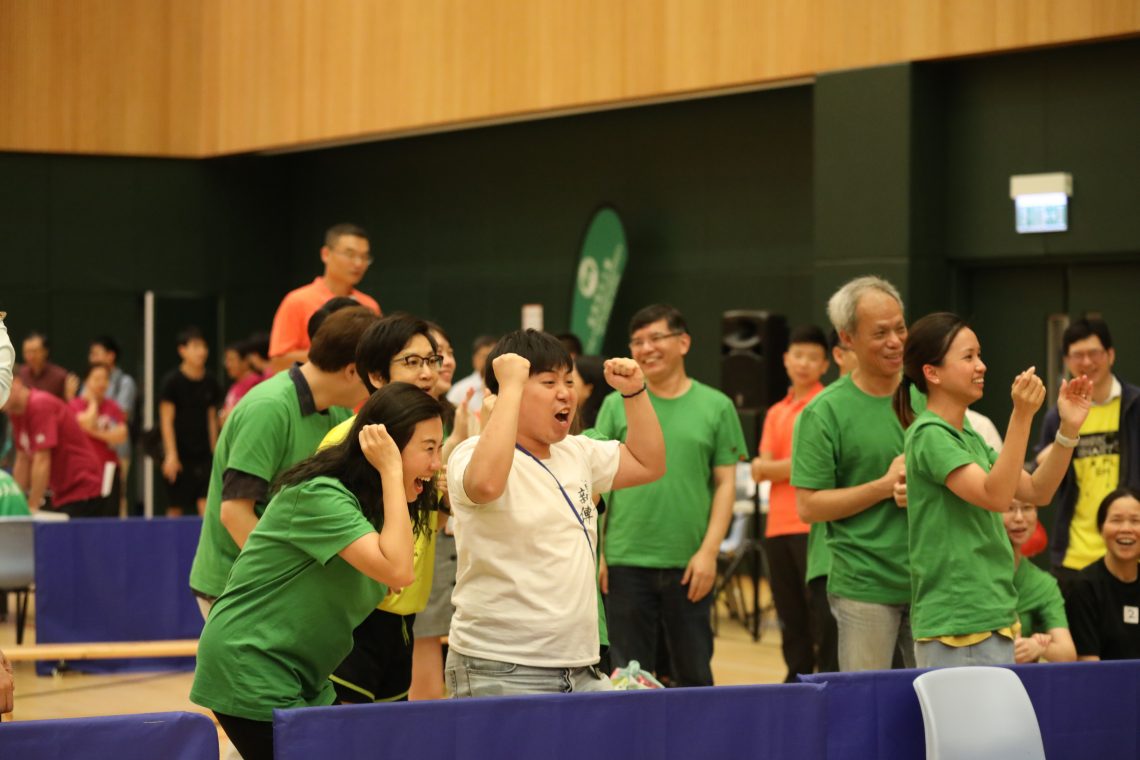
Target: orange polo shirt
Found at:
x=291, y=323
x=777, y=440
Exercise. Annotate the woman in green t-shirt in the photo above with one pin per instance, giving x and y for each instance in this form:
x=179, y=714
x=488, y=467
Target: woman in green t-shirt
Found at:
x=963, y=600
x=1044, y=628
x=336, y=534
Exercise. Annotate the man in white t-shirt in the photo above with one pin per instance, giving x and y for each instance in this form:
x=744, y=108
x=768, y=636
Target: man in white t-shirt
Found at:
x=526, y=605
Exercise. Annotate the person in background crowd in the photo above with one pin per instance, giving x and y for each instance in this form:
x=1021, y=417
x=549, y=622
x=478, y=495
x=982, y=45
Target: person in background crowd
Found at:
x=278, y=423
x=1104, y=600
x=53, y=451
x=121, y=389
x=1108, y=455
x=786, y=537
x=964, y=603
x=1042, y=629
x=337, y=535
x=473, y=382
x=572, y=343
x=41, y=374
x=241, y=372
x=589, y=379
x=847, y=466
x=255, y=350
x=105, y=425
x=662, y=540
x=346, y=255
x=188, y=414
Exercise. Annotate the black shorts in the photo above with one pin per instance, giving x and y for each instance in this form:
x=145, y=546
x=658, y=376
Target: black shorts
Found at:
x=379, y=667
x=191, y=484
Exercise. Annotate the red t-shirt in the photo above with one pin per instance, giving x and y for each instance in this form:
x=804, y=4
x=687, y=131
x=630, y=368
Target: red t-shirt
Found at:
x=109, y=415
x=238, y=390
x=49, y=424
x=777, y=441
x=291, y=323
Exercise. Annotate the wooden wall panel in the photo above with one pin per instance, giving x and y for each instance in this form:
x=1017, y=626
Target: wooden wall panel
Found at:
x=208, y=77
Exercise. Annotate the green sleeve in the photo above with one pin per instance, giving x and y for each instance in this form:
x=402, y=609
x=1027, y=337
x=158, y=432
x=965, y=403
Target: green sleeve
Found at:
x=255, y=447
x=325, y=519
x=1048, y=604
x=936, y=452
x=814, y=454
x=610, y=424
x=730, y=445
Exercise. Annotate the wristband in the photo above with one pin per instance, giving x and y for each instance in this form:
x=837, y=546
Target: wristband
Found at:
x=639, y=391
x=1065, y=441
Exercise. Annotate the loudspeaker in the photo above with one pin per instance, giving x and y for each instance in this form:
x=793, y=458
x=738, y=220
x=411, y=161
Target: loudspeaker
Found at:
x=752, y=358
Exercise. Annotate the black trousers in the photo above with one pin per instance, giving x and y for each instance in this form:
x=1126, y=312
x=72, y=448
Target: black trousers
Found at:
x=787, y=564
x=252, y=738
x=826, y=631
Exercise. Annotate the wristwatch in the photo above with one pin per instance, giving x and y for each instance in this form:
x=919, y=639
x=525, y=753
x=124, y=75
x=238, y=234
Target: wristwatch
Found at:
x=1066, y=441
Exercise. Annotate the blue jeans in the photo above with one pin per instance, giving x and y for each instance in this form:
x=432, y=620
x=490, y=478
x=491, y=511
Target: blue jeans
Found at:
x=996, y=650
x=870, y=633
x=643, y=599
x=475, y=677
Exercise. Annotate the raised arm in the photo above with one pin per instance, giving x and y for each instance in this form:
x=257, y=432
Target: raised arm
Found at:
x=643, y=453
x=485, y=478
x=388, y=557
x=1073, y=404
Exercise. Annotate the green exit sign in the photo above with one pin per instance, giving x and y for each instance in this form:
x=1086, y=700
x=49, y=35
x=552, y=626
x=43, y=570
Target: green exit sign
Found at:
x=1042, y=212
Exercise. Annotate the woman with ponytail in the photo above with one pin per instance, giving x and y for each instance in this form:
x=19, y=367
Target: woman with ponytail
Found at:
x=963, y=598
x=336, y=534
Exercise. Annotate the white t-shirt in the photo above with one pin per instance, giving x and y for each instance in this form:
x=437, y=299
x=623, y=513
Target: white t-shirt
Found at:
x=525, y=588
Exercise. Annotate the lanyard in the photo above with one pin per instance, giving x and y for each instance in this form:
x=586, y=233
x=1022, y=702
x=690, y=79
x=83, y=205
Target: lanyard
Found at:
x=565, y=496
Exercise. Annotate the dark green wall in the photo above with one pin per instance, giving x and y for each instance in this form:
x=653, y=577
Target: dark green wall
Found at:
x=715, y=195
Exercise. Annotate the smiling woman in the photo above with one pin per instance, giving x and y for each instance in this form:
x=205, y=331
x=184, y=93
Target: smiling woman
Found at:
x=1104, y=602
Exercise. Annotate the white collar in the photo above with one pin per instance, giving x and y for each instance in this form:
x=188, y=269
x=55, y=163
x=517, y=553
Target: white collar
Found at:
x=1113, y=394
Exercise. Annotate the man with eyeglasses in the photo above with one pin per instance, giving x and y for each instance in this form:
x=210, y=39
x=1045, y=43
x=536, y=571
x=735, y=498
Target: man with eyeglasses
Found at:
x=396, y=349
x=662, y=539
x=346, y=257
x=1107, y=452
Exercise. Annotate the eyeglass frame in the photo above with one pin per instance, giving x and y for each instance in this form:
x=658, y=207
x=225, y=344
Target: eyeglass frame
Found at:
x=653, y=340
x=420, y=361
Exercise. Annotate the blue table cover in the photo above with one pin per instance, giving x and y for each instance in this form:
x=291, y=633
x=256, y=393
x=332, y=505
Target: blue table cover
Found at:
x=170, y=736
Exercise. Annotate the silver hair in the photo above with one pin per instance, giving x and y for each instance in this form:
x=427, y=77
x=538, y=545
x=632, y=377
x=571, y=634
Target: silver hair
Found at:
x=841, y=306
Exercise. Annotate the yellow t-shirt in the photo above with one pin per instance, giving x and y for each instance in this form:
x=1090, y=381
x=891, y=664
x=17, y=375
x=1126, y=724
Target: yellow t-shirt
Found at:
x=414, y=598
x=1096, y=463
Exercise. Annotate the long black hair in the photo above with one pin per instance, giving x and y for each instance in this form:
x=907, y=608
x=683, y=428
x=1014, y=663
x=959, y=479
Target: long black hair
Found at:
x=397, y=406
x=927, y=342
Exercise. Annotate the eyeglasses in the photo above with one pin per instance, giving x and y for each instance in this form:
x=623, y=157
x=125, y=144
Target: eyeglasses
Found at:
x=1093, y=354
x=359, y=258
x=652, y=340
x=412, y=361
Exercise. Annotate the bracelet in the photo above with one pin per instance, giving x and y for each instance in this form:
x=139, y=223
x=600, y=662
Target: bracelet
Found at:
x=1065, y=441
x=638, y=392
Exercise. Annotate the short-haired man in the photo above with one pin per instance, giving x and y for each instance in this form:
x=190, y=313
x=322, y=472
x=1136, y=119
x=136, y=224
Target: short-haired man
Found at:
x=526, y=599
x=188, y=405
x=785, y=535
x=662, y=540
x=847, y=466
x=121, y=389
x=473, y=384
x=1107, y=455
x=40, y=373
x=53, y=451
x=278, y=423
x=346, y=256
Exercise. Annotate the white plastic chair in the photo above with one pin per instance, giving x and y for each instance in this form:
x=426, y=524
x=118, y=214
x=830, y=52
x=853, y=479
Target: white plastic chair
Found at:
x=975, y=713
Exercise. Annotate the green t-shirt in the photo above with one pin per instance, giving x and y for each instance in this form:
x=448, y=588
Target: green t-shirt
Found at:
x=286, y=618
x=818, y=555
x=264, y=435
x=12, y=501
x=662, y=524
x=961, y=561
x=844, y=438
x=1040, y=606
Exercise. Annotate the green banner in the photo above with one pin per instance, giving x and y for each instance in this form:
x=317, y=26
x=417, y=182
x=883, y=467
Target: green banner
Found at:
x=599, y=273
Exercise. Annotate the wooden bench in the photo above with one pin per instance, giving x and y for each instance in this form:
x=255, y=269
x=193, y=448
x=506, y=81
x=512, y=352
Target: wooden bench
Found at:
x=103, y=650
